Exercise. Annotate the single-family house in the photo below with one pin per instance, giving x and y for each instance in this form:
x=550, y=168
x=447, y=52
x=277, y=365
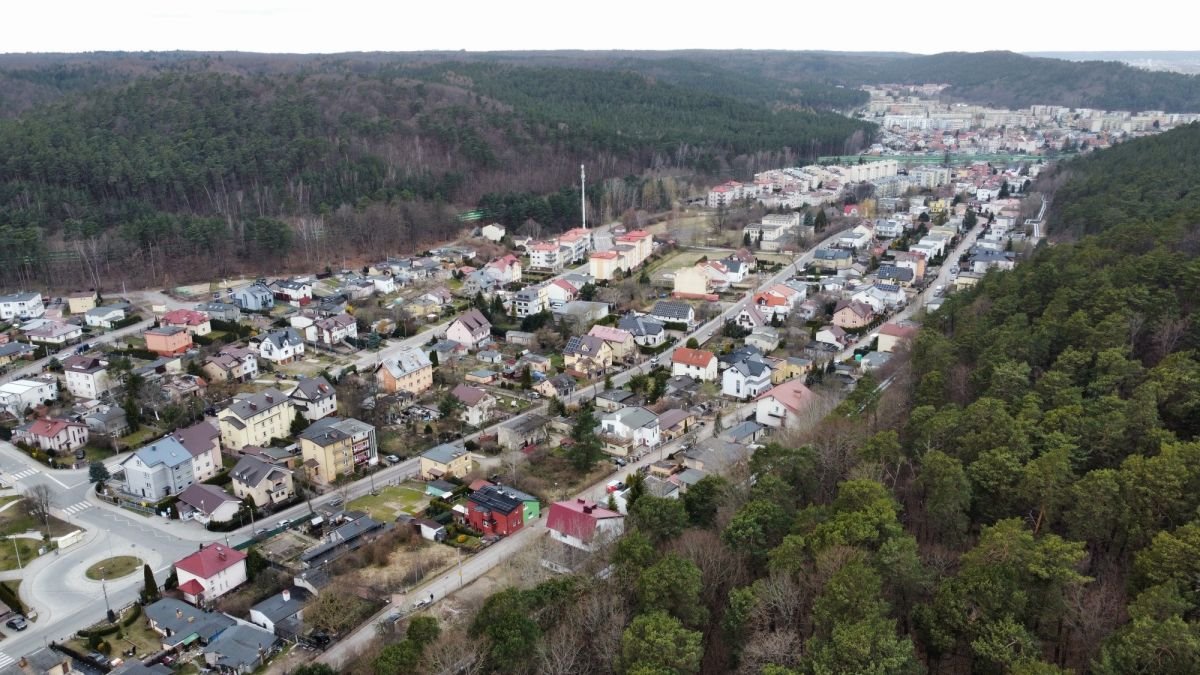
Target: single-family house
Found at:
x=180, y=623
x=492, y=232
x=87, y=376
x=530, y=300
x=700, y=364
x=582, y=524
x=669, y=312
x=409, y=371
x=332, y=330
x=221, y=311
x=82, y=301
x=335, y=446
x=831, y=335
x=792, y=366
x=901, y=276
x=522, y=431
x=784, y=405
x=20, y=395
x=281, y=613
x=893, y=335
x=196, y=323
x=777, y=301
x=53, y=435
x=282, y=345
x=54, y=333
x=104, y=317
x=629, y=429
x=559, y=292
x=168, y=340
x=587, y=354
x=255, y=297
x=477, y=404
x=746, y=378
x=21, y=306
x=612, y=400
x=239, y=650
x=265, y=483
x=764, y=338
x=619, y=339
x=296, y=292
x=646, y=331
x=255, y=419
x=448, y=459
x=471, y=328
x=13, y=351
x=832, y=259
x=675, y=422
x=158, y=470
x=232, y=364
x=314, y=398
x=481, y=376
x=211, y=572
x=107, y=420
x=561, y=385
x=851, y=315
x=207, y=504
x=203, y=442
x=506, y=269
x=492, y=511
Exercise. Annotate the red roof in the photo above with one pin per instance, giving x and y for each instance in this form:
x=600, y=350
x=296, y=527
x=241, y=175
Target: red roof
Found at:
x=49, y=428
x=577, y=518
x=791, y=394
x=699, y=358
x=896, y=330
x=191, y=587
x=210, y=560
x=604, y=255
x=184, y=317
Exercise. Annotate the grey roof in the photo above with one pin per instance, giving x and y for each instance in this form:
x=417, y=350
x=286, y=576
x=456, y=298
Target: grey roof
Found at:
x=284, y=337
x=742, y=431
x=167, y=451
x=444, y=453
x=43, y=660
x=181, y=620
x=277, y=609
x=672, y=310
x=14, y=348
x=205, y=498
x=136, y=667
x=198, y=438
x=633, y=417
x=105, y=310
x=640, y=325
x=406, y=362
x=313, y=389
x=584, y=345
x=19, y=297
x=474, y=321
x=670, y=418
x=249, y=405
x=615, y=395
x=241, y=646
x=252, y=471
x=751, y=367
x=690, y=476
x=831, y=254
x=441, y=485
x=893, y=272
x=564, y=383
x=332, y=429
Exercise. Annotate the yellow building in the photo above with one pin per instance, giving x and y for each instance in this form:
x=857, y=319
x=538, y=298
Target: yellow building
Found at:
x=79, y=303
x=691, y=281
x=411, y=371
x=445, y=460
x=334, y=446
x=603, y=265
x=255, y=419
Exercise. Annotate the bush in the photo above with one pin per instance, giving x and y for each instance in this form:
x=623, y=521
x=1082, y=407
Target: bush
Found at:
x=133, y=616
x=10, y=598
x=462, y=539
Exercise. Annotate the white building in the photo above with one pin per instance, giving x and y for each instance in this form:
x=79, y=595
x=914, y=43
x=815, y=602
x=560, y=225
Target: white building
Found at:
x=636, y=426
x=211, y=572
x=698, y=364
x=281, y=346
x=21, y=306
x=583, y=525
x=492, y=232
x=531, y=300
x=86, y=377
x=19, y=395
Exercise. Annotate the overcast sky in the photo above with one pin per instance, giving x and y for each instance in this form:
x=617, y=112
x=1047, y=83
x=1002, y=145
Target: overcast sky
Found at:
x=407, y=25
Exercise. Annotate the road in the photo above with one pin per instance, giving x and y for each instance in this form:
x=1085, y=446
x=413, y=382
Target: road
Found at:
x=35, y=367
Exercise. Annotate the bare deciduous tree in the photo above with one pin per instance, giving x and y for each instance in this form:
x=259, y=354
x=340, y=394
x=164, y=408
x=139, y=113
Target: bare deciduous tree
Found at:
x=38, y=501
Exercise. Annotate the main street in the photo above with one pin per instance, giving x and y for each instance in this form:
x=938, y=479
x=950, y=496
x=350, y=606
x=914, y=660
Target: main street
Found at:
x=35, y=367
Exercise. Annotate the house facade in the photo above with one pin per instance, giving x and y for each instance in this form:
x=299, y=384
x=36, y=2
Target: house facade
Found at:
x=281, y=346
x=53, y=435
x=20, y=395
x=448, y=459
x=785, y=405
x=21, y=306
x=159, y=470
x=86, y=376
x=203, y=441
x=314, y=398
x=256, y=419
x=254, y=297
x=470, y=329
x=491, y=511
x=266, y=484
x=582, y=524
x=194, y=322
x=211, y=572
x=410, y=371
x=629, y=429
x=334, y=446
x=699, y=364
x=168, y=340
x=477, y=404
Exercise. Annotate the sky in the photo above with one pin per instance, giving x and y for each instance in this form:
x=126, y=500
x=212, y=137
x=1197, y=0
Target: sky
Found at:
x=328, y=26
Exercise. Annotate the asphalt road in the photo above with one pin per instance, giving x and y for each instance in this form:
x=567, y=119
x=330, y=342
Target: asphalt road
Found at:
x=35, y=367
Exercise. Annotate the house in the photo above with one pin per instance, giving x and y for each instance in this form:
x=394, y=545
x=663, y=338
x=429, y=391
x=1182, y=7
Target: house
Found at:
x=203, y=443
x=874, y=361
x=535, y=362
x=448, y=459
x=587, y=354
x=492, y=511
x=692, y=282
x=54, y=333
x=531, y=505
x=331, y=330
x=581, y=313
x=240, y=649
x=281, y=613
x=314, y=398
x=832, y=259
x=777, y=302
x=505, y=270
x=745, y=433
x=629, y=428
x=357, y=529
x=20, y=395
x=477, y=404
x=489, y=356
x=481, y=376
x=335, y=446
x=255, y=297
x=87, y=376
x=221, y=311
x=700, y=364
x=530, y=300
x=255, y=419
x=764, y=338
x=561, y=385
x=901, y=276
x=582, y=524
x=714, y=455
x=82, y=301
x=522, y=431
x=912, y=261
x=41, y=661
x=675, y=422
x=893, y=335
x=645, y=330
x=752, y=317
x=180, y=623
x=53, y=435
x=746, y=378
x=384, y=284
x=196, y=323
x=13, y=351
x=429, y=529
x=620, y=340
x=559, y=292
x=21, y=306
x=158, y=470
x=207, y=504
x=232, y=364
x=784, y=405
x=881, y=296
x=605, y=265
x=612, y=400
x=168, y=340
x=409, y=371
x=296, y=292
x=211, y=572
x=492, y=232
x=107, y=420
x=792, y=366
x=668, y=313
x=282, y=345
x=104, y=317
x=852, y=315
x=470, y=329
x=518, y=337
x=834, y=336
x=265, y=483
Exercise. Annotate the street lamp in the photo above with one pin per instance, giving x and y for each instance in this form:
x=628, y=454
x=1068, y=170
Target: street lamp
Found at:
x=104, y=588
x=17, y=551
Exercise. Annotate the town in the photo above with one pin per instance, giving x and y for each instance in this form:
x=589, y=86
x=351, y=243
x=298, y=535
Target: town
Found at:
x=275, y=469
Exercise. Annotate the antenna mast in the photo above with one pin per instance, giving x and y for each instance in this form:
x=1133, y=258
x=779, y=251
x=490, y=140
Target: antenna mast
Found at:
x=583, y=194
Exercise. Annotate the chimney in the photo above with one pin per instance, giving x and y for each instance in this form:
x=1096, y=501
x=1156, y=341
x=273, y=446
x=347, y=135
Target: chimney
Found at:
x=581, y=500
x=287, y=595
x=587, y=509
x=191, y=619
x=178, y=613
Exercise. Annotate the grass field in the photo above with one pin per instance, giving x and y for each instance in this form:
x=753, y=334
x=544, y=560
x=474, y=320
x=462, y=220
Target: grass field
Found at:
x=113, y=568
x=15, y=520
x=137, y=634
x=391, y=501
x=9, y=558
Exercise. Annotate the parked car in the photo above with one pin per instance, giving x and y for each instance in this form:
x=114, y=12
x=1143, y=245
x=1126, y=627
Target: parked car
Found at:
x=392, y=459
x=336, y=501
x=17, y=623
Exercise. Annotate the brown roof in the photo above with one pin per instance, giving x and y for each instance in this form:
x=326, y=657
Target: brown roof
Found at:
x=897, y=330
x=470, y=396
x=700, y=358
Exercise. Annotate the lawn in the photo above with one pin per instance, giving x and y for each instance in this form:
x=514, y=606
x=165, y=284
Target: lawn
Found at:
x=138, y=634
x=113, y=568
x=391, y=502
x=14, y=520
x=140, y=437
x=8, y=499
x=9, y=558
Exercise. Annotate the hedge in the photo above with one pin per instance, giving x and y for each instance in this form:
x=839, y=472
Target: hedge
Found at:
x=134, y=614
x=129, y=320
x=99, y=632
x=10, y=598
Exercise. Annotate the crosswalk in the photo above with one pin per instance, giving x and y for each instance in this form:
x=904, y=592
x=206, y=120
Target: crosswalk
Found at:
x=76, y=508
x=26, y=473
x=6, y=660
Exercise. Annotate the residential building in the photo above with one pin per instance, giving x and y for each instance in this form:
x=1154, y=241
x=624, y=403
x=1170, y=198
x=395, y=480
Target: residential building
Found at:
x=207, y=504
x=168, y=340
x=646, y=331
x=505, y=270
x=180, y=623
x=158, y=470
x=256, y=419
x=20, y=395
x=282, y=345
x=832, y=259
x=692, y=282
x=778, y=301
x=559, y=292
x=232, y=364
x=574, y=244
x=296, y=292
x=852, y=315
x=314, y=398
x=784, y=405
x=628, y=429
x=699, y=364
x=581, y=314
x=831, y=335
x=13, y=351
x=448, y=459
x=561, y=385
x=240, y=650
x=82, y=301
x=612, y=400
x=477, y=404
x=492, y=232
x=584, y=525
x=203, y=442
x=196, y=323
x=333, y=446
x=667, y=312
x=675, y=422
x=604, y=265
x=522, y=431
x=471, y=328
x=329, y=331
x=104, y=317
x=746, y=378
x=266, y=484
x=281, y=613
x=221, y=311
x=41, y=661
x=893, y=335
x=107, y=420
x=545, y=255
x=21, y=306
x=87, y=376
x=764, y=338
x=53, y=435
x=901, y=276
x=519, y=337
x=492, y=511
x=211, y=572
x=530, y=300
x=255, y=297
x=54, y=333
x=410, y=371
x=587, y=354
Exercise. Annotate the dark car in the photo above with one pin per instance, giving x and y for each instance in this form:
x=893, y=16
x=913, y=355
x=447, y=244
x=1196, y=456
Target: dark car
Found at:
x=18, y=623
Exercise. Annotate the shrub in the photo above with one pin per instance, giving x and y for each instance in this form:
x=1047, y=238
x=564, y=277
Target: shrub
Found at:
x=462, y=539
x=133, y=616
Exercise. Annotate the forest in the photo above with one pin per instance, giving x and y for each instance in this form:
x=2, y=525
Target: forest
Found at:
x=1026, y=498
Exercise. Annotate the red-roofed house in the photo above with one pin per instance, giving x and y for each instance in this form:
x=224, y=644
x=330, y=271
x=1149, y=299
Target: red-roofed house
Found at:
x=53, y=434
x=699, y=364
x=892, y=335
x=506, y=270
x=195, y=323
x=851, y=314
x=544, y=255
x=211, y=572
x=621, y=341
x=583, y=525
x=784, y=405
x=559, y=292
